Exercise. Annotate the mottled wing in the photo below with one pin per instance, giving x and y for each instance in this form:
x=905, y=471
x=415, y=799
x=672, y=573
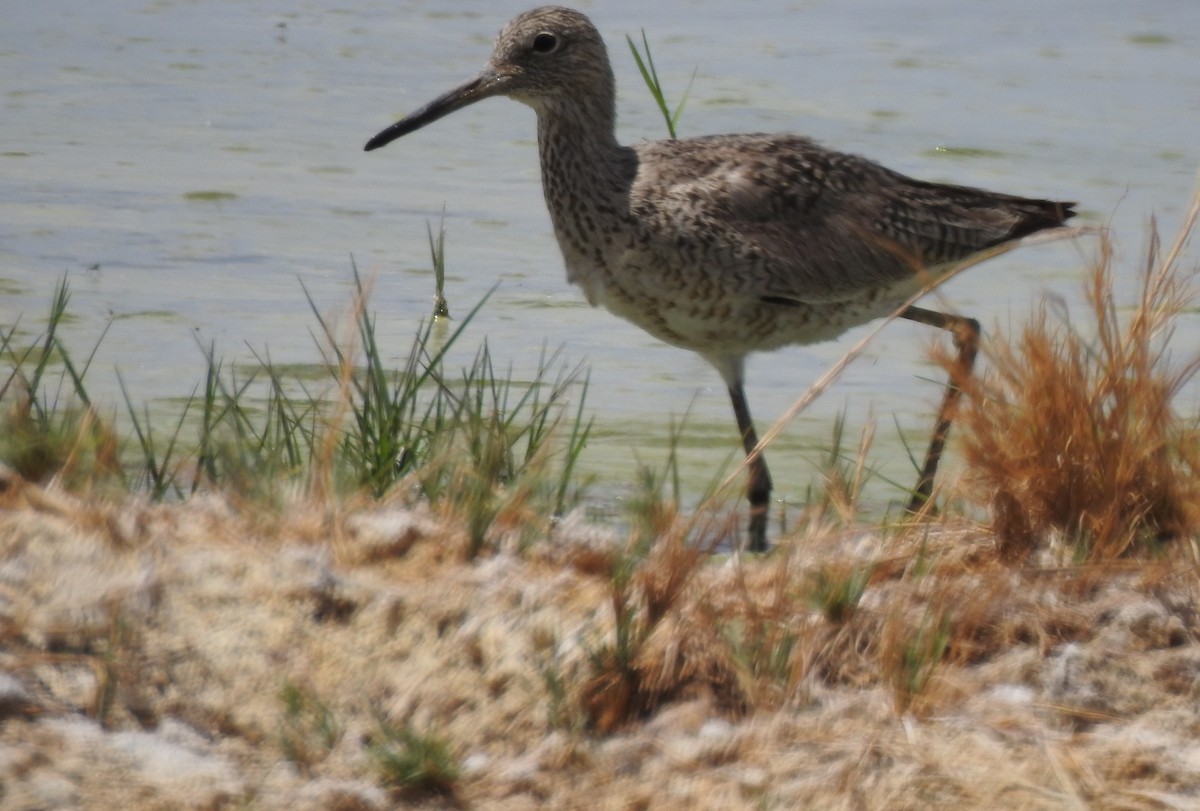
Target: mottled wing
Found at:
x=804, y=223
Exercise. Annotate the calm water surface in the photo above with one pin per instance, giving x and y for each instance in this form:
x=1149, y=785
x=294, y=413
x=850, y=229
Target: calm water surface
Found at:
x=120, y=120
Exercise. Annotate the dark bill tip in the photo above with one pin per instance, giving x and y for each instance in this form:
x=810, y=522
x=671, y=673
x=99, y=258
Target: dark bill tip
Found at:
x=401, y=128
x=487, y=84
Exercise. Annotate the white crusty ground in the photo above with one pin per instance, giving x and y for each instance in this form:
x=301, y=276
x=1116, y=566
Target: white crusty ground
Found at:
x=145, y=649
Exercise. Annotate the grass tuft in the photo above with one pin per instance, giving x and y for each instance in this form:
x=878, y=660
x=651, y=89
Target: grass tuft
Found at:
x=659, y=647
x=911, y=653
x=836, y=590
x=842, y=477
x=49, y=427
x=1073, y=436
x=412, y=762
x=309, y=729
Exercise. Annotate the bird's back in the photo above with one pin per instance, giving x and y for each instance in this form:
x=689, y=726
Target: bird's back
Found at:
x=817, y=225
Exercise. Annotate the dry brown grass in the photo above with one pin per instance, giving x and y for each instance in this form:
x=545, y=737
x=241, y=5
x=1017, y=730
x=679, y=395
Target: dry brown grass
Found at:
x=1072, y=435
x=655, y=652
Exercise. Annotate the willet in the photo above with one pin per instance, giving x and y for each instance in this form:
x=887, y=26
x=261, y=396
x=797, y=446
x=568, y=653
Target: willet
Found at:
x=730, y=244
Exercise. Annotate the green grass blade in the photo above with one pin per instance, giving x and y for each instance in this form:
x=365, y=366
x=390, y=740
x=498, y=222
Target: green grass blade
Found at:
x=650, y=77
x=437, y=254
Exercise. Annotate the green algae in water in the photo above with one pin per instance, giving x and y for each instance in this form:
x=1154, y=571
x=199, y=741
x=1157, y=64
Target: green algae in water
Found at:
x=1150, y=39
x=209, y=196
x=962, y=152
x=11, y=287
x=160, y=315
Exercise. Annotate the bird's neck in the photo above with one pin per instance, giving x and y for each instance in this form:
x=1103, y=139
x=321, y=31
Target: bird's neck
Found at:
x=586, y=178
x=578, y=140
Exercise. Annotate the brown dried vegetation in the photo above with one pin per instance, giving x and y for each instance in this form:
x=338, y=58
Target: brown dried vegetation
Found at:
x=1073, y=435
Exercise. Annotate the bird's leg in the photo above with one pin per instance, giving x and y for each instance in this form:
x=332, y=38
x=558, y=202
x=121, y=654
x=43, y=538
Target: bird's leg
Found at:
x=758, y=483
x=966, y=333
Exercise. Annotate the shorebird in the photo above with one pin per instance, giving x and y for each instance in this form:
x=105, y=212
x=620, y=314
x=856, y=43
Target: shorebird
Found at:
x=731, y=244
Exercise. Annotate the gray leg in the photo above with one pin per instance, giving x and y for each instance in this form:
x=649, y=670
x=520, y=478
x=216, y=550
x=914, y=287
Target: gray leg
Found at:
x=966, y=333
x=758, y=484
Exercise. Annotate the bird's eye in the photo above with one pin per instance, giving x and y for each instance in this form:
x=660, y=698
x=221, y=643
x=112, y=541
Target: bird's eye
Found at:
x=545, y=42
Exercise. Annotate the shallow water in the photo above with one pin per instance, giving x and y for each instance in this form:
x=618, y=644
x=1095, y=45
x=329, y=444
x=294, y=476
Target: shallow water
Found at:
x=189, y=164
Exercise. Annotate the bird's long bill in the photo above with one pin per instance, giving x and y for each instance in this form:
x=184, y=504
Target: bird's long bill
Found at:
x=481, y=87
